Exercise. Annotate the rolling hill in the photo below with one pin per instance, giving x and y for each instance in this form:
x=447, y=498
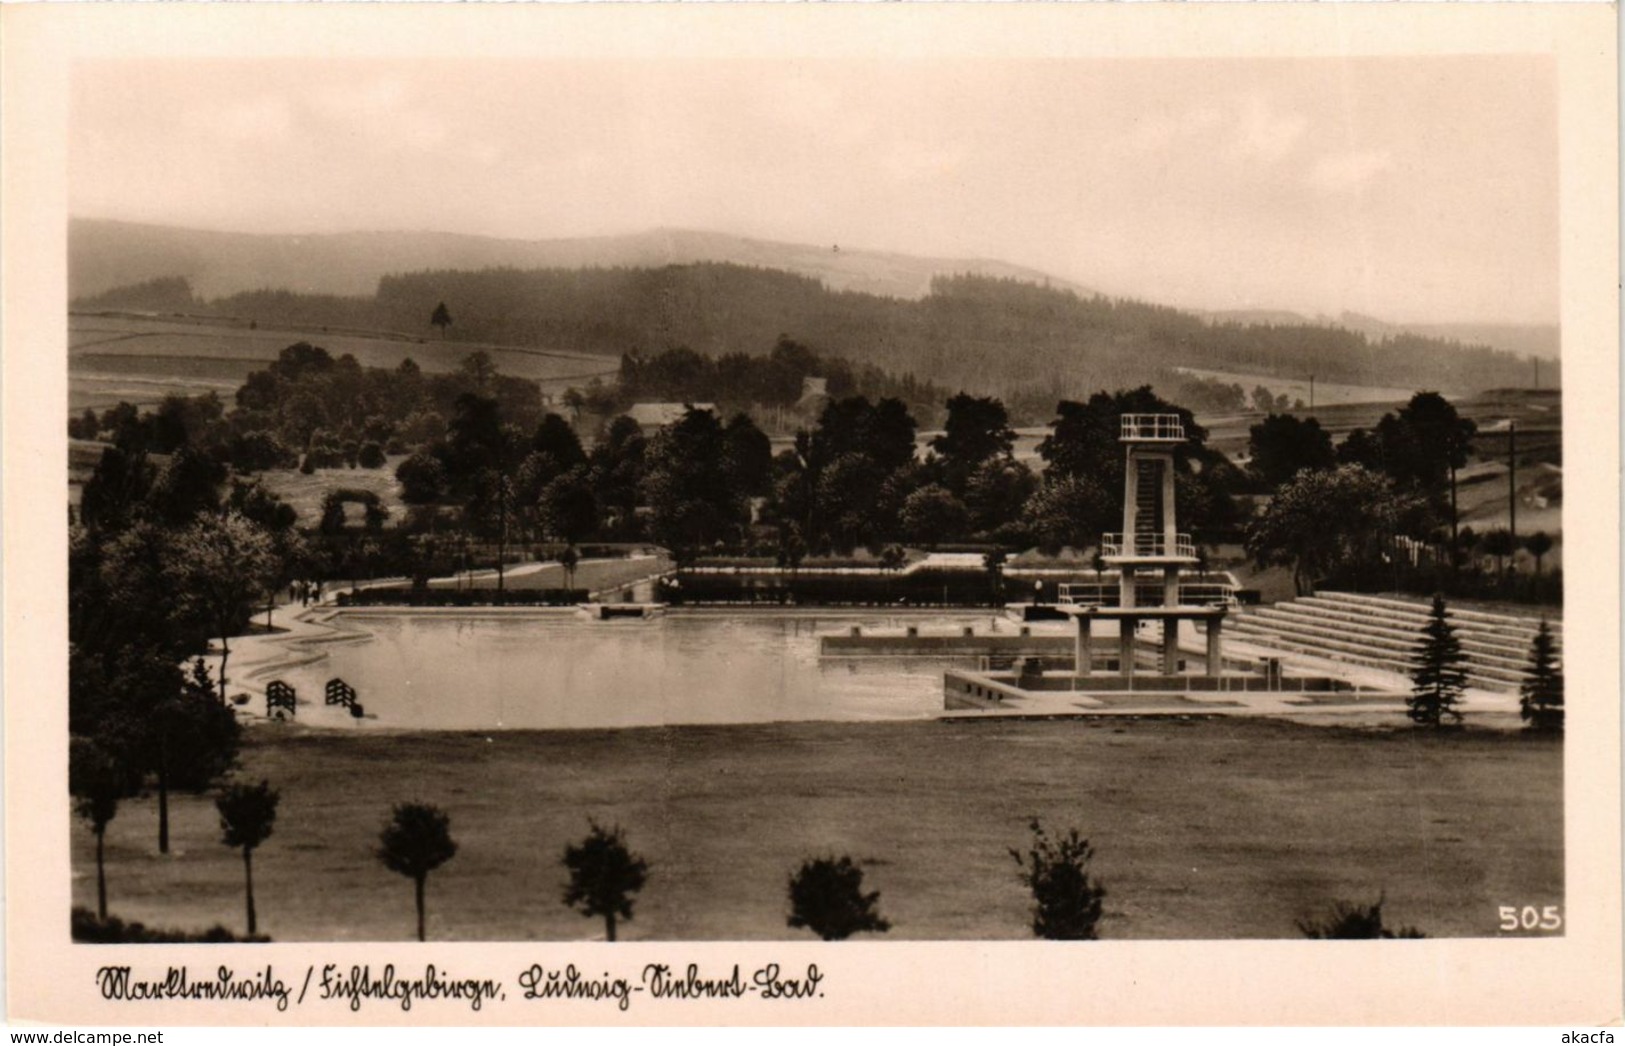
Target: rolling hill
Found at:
x=1538, y=340
x=103, y=255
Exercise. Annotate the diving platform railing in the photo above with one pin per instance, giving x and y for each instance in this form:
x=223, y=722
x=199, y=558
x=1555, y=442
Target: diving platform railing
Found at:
x=1152, y=428
x=1146, y=545
x=1217, y=591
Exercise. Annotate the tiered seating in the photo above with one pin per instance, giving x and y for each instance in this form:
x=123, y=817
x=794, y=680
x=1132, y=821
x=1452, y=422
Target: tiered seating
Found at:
x=1383, y=631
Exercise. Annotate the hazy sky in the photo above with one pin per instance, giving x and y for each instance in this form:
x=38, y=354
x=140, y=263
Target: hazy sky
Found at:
x=1414, y=189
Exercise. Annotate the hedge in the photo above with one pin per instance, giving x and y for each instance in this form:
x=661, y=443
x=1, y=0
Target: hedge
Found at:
x=464, y=597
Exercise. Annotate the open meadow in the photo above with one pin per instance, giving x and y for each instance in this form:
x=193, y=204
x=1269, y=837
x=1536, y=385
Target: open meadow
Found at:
x=1202, y=829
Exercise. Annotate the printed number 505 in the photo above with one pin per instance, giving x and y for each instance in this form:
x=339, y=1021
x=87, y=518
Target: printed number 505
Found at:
x=1527, y=918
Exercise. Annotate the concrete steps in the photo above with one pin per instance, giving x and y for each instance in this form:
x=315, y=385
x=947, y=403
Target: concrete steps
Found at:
x=1383, y=632
x=1400, y=639
x=1516, y=620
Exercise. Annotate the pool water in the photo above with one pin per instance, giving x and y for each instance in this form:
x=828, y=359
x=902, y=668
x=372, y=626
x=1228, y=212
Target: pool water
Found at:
x=551, y=671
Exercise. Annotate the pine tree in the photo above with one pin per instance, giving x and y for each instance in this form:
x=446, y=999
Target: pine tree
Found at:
x=441, y=318
x=1439, y=676
x=1542, y=688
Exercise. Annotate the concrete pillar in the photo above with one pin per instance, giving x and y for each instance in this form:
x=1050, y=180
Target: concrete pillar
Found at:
x=1215, y=649
x=1131, y=496
x=1170, y=586
x=1083, y=646
x=1170, y=526
x=1170, y=646
x=1125, y=646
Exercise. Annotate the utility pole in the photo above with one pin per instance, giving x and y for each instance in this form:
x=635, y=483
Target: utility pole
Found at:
x=1454, y=518
x=1512, y=477
x=1311, y=392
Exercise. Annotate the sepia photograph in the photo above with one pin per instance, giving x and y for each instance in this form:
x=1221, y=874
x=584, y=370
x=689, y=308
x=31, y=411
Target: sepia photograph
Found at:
x=645, y=497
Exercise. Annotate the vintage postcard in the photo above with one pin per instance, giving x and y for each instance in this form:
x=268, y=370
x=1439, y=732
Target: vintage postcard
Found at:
x=795, y=515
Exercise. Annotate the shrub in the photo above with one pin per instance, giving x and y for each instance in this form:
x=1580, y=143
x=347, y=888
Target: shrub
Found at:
x=826, y=897
x=466, y=597
x=88, y=929
x=1349, y=922
x=1066, y=901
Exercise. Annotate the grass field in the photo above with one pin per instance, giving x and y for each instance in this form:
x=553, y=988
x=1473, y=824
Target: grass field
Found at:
x=305, y=493
x=140, y=359
x=1202, y=829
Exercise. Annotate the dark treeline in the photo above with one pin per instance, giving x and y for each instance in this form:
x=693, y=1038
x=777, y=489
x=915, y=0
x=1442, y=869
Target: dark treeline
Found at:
x=740, y=380
x=312, y=409
x=996, y=335
x=1378, y=511
x=484, y=462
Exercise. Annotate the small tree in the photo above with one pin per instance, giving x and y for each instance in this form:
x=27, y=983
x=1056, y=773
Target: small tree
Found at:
x=932, y=515
x=97, y=782
x=826, y=897
x=415, y=842
x=993, y=562
x=220, y=566
x=1066, y=901
x=568, y=559
x=1349, y=922
x=1501, y=544
x=1542, y=688
x=441, y=318
x=1438, y=675
x=1539, y=543
x=246, y=815
x=1467, y=542
x=187, y=742
x=604, y=876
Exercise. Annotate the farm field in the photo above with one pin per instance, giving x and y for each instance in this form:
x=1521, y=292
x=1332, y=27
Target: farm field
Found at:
x=1202, y=829
x=113, y=357
x=1538, y=414
x=1325, y=393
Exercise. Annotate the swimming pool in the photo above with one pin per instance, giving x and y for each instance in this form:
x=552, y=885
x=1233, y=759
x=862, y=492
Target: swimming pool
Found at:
x=554, y=671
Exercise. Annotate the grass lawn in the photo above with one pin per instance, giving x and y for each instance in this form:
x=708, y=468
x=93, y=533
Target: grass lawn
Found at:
x=1202, y=828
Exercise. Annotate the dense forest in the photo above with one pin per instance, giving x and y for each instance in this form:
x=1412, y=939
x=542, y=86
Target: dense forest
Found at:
x=1002, y=336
